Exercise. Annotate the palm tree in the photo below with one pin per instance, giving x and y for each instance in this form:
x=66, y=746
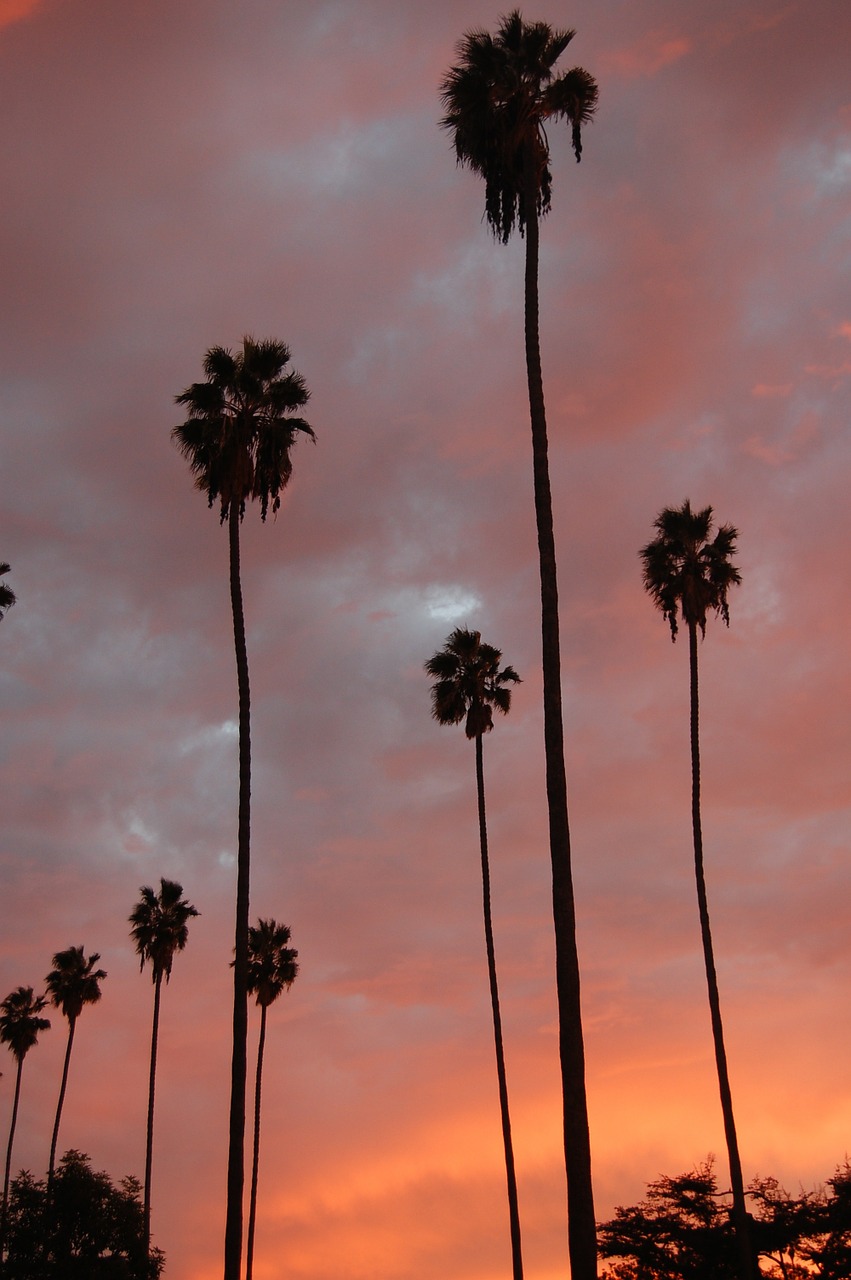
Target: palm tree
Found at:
x=272, y=968
x=468, y=684
x=7, y=595
x=237, y=440
x=72, y=983
x=159, y=928
x=498, y=99
x=19, y=1029
x=687, y=575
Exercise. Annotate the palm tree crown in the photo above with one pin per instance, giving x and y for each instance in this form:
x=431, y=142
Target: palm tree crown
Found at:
x=468, y=682
x=19, y=1021
x=74, y=982
x=498, y=99
x=7, y=595
x=160, y=926
x=272, y=963
x=686, y=574
x=239, y=432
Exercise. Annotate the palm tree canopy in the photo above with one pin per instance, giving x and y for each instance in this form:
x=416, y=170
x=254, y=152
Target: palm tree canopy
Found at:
x=685, y=573
x=240, y=429
x=498, y=99
x=19, y=1021
x=7, y=595
x=160, y=926
x=468, y=682
x=272, y=963
x=74, y=981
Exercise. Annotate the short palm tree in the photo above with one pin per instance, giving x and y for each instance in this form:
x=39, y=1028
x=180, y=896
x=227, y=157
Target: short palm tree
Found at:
x=499, y=100
x=20, y=1026
x=272, y=968
x=468, y=684
x=72, y=983
x=689, y=576
x=159, y=928
x=237, y=439
x=7, y=595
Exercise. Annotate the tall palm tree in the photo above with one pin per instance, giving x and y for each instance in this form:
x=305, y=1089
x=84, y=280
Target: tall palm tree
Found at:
x=687, y=576
x=272, y=968
x=159, y=928
x=468, y=684
x=72, y=983
x=20, y=1026
x=7, y=595
x=237, y=439
x=499, y=99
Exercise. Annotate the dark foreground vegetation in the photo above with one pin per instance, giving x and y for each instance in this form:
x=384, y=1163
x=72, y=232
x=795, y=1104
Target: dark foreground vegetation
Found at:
x=684, y=1230
x=82, y=1228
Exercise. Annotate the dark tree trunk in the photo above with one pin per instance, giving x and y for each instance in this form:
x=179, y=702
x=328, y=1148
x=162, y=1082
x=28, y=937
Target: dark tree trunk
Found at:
x=72, y=1023
x=149, y=1146
x=236, y=1153
x=582, y=1227
x=7, y=1176
x=513, y=1209
x=748, y=1265
x=255, y=1164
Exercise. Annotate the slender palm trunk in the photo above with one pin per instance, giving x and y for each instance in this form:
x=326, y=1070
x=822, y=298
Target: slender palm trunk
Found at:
x=582, y=1227
x=7, y=1176
x=236, y=1153
x=749, y=1268
x=72, y=1023
x=513, y=1208
x=255, y=1164
x=149, y=1148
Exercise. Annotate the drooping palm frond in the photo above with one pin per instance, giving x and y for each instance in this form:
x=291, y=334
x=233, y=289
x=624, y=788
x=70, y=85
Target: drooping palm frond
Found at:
x=684, y=573
x=272, y=962
x=497, y=100
x=20, y=1024
x=160, y=926
x=468, y=682
x=7, y=595
x=74, y=982
x=240, y=426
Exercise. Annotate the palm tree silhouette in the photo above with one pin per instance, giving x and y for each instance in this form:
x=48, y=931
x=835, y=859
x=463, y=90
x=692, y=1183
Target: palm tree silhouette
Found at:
x=687, y=575
x=20, y=1025
x=272, y=968
x=159, y=928
x=237, y=440
x=498, y=100
x=72, y=983
x=7, y=595
x=468, y=684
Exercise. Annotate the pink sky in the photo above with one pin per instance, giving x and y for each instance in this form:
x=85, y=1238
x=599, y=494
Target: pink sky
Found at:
x=178, y=174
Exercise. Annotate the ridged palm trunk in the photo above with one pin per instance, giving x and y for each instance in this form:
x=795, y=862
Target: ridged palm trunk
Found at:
x=582, y=1228
x=513, y=1208
x=8, y=1173
x=747, y=1259
x=236, y=1154
x=72, y=1024
x=255, y=1163
x=149, y=1146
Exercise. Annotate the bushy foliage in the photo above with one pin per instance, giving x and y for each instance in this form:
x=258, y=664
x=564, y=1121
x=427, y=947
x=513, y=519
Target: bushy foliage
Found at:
x=85, y=1229
x=682, y=1231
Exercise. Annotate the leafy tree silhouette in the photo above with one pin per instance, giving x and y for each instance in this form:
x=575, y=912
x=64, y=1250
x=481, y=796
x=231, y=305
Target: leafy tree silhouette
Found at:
x=272, y=968
x=499, y=98
x=20, y=1026
x=159, y=928
x=687, y=575
x=468, y=684
x=237, y=439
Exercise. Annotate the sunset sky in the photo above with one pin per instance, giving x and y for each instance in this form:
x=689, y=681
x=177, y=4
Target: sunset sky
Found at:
x=177, y=173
